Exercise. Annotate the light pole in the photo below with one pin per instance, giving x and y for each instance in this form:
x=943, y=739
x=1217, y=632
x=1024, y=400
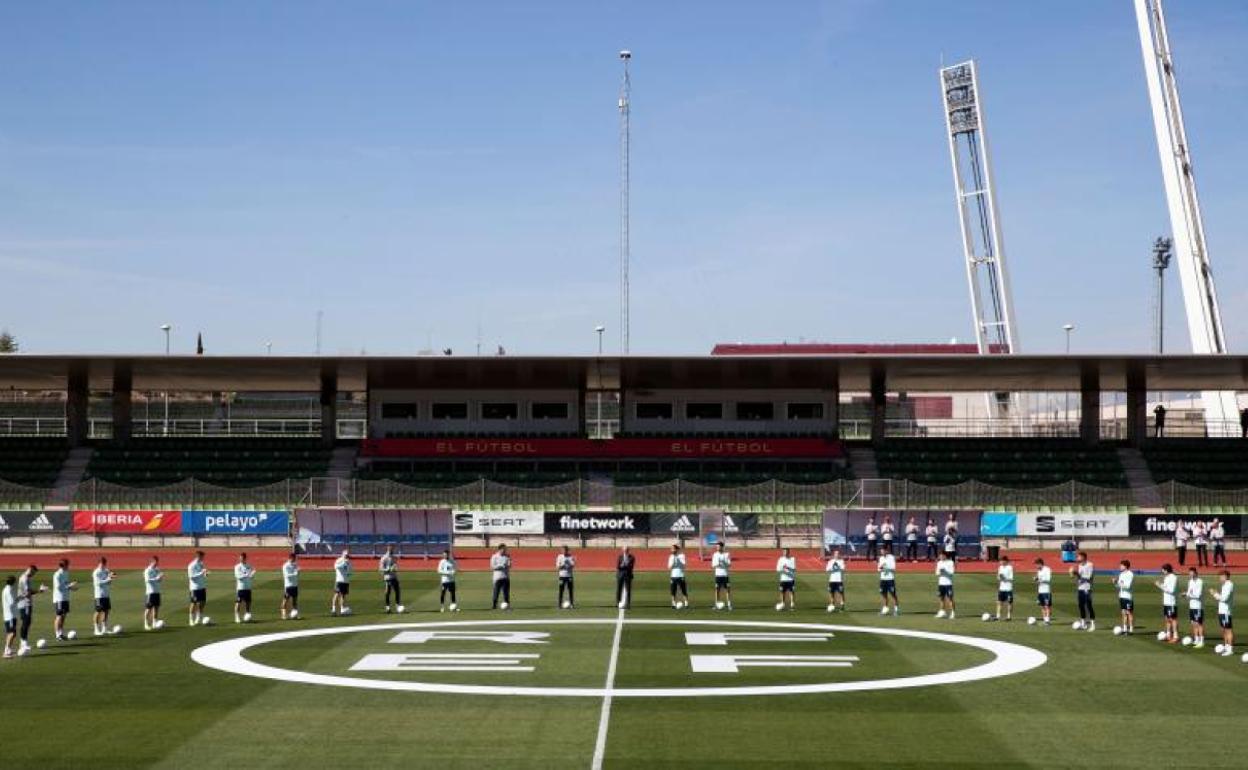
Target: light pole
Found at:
x=1163, y=251
x=598, y=396
x=166, y=328
x=268, y=348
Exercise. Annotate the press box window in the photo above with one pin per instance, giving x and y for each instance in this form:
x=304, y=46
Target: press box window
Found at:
x=704, y=411
x=805, y=411
x=654, y=411
x=398, y=411
x=755, y=410
x=450, y=411
x=500, y=411
x=551, y=411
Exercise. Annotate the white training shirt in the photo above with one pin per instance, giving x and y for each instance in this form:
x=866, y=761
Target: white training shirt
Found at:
x=446, y=568
x=197, y=575
x=1226, y=598
x=721, y=562
x=9, y=600
x=342, y=570
x=24, y=591
x=1195, y=594
x=151, y=579
x=1005, y=577
x=1217, y=534
x=60, y=586
x=243, y=573
x=1125, y=580
x=912, y=532
x=871, y=530
x=931, y=532
x=887, y=567
x=102, y=579
x=290, y=574
x=1169, y=590
x=565, y=565
x=945, y=568
x=787, y=567
x=887, y=530
x=836, y=570
x=676, y=565
x=388, y=566
x=1084, y=574
x=501, y=565
x=1044, y=580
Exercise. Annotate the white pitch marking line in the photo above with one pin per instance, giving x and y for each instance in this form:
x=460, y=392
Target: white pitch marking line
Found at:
x=600, y=746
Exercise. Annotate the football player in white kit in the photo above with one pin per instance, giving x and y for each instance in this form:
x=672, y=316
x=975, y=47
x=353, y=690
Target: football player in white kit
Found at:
x=887, y=567
x=945, y=570
x=836, y=581
x=1195, y=593
x=244, y=574
x=1225, y=596
x=786, y=568
x=102, y=581
x=197, y=579
x=1125, y=583
x=500, y=568
x=8, y=604
x=1169, y=587
x=290, y=587
x=676, y=569
x=26, y=591
x=1044, y=591
x=721, y=565
x=152, y=578
x=1005, y=589
x=565, y=570
x=446, y=573
x=61, y=588
x=388, y=566
x=1083, y=573
x=342, y=584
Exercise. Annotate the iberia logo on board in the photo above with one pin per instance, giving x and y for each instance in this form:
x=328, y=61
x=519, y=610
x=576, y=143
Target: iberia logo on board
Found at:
x=151, y=522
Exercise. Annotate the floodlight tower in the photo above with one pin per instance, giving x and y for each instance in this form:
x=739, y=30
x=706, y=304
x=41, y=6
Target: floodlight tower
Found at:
x=625, y=138
x=992, y=304
x=1204, y=319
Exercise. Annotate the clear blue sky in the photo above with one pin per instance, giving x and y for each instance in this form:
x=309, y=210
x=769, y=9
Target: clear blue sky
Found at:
x=417, y=169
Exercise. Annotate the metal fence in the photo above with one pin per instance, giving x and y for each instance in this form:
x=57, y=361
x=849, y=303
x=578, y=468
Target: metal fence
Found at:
x=768, y=496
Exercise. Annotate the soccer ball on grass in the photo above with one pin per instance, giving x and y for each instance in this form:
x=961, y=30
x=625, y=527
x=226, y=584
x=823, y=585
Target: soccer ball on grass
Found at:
x=71, y=635
x=41, y=643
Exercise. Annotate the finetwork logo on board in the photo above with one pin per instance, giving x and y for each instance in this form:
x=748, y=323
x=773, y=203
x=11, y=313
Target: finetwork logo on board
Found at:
x=595, y=522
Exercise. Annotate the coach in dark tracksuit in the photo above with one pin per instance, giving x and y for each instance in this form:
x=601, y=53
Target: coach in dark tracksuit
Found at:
x=624, y=578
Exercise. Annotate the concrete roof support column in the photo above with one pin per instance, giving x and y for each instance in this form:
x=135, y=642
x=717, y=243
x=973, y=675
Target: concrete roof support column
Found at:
x=1090, y=404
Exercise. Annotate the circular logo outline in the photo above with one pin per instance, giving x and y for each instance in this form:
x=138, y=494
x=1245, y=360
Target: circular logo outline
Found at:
x=1009, y=659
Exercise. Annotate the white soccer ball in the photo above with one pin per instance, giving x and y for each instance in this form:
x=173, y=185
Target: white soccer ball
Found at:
x=985, y=617
x=1162, y=636
x=246, y=617
x=831, y=608
x=719, y=605
x=71, y=635
x=1187, y=641
x=505, y=606
x=117, y=629
x=1078, y=624
x=1119, y=629
x=567, y=605
x=454, y=607
x=160, y=624
x=41, y=643
x=294, y=614
x=346, y=611
x=1219, y=649
x=779, y=605
x=1031, y=621
x=1244, y=658
x=205, y=621
x=401, y=609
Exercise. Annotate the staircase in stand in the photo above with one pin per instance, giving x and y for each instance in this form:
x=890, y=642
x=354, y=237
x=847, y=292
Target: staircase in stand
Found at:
x=70, y=477
x=1140, y=479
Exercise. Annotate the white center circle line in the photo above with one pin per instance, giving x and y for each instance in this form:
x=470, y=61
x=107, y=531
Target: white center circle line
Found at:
x=1009, y=659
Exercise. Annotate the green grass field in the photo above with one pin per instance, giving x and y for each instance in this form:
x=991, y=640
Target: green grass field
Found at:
x=138, y=700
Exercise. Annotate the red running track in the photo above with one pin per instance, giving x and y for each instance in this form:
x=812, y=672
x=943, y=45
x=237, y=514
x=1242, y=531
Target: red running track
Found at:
x=543, y=559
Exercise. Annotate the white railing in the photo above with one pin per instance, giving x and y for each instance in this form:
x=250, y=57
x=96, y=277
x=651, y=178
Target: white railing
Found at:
x=32, y=426
x=212, y=427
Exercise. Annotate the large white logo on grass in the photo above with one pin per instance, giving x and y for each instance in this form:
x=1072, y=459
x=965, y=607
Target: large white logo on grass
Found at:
x=1009, y=659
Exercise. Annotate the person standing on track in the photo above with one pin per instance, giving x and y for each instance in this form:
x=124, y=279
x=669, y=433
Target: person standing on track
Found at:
x=931, y=532
x=888, y=534
x=1200, y=538
x=446, y=574
x=500, y=566
x=388, y=566
x=786, y=568
x=61, y=588
x=290, y=587
x=836, y=581
x=197, y=579
x=1217, y=535
x=912, y=540
x=565, y=570
x=1044, y=591
x=1181, y=535
x=1083, y=572
x=872, y=533
x=342, y=584
x=624, y=567
x=152, y=578
x=721, y=565
x=1195, y=594
x=676, y=568
x=102, y=580
x=887, y=567
x=1169, y=587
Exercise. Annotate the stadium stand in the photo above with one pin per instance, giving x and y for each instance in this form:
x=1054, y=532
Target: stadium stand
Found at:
x=225, y=461
x=1020, y=463
x=1212, y=463
x=32, y=462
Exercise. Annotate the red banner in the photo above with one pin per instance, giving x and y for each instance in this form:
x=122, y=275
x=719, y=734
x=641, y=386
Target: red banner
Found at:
x=581, y=448
x=143, y=522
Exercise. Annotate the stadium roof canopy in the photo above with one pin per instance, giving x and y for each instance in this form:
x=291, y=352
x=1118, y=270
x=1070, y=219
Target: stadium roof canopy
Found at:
x=938, y=373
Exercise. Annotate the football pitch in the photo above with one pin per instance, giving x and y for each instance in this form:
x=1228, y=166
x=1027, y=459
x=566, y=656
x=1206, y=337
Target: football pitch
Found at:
x=648, y=687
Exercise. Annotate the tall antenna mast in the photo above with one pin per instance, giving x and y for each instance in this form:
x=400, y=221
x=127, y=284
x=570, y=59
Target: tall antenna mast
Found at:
x=992, y=304
x=1204, y=319
x=625, y=137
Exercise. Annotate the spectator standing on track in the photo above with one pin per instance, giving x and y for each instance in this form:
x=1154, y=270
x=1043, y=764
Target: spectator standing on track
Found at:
x=931, y=532
x=872, y=532
x=624, y=567
x=500, y=567
x=388, y=566
x=1200, y=538
x=912, y=540
x=888, y=533
x=951, y=544
x=1217, y=535
x=1181, y=535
